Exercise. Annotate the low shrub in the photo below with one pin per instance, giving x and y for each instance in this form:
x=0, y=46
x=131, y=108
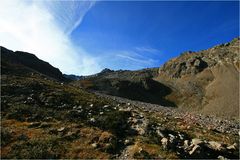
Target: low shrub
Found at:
x=37, y=149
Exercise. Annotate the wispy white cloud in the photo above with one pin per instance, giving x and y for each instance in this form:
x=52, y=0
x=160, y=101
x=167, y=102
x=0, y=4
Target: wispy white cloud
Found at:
x=136, y=58
x=43, y=28
x=68, y=14
x=147, y=49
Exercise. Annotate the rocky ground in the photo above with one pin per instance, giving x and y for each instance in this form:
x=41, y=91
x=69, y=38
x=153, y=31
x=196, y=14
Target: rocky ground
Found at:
x=43, y=118
x=189, y=135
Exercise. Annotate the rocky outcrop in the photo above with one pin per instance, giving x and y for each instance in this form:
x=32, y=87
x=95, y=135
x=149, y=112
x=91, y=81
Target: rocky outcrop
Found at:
x=191, y=63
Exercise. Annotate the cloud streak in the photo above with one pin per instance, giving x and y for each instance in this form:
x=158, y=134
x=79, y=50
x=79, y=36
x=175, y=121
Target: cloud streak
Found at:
x=147, y=49
x=43, y=28
x=136, y=59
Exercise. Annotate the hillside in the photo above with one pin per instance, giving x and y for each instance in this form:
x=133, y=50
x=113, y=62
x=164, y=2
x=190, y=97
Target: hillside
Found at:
x=206, y=81
x=135, y=85
x=44, y=118
x=29, y=61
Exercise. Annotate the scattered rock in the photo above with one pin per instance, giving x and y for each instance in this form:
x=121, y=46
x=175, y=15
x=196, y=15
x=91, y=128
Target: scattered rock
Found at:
x=106, y=106
x=92, y=120
x=194, y=149
x=232, y=147
x=94, y=145
x=34, y=124
x=196, y=141
x=159, y=133
x=61, y=129
x=186, y=144
x=215, y=145
x=164, y=142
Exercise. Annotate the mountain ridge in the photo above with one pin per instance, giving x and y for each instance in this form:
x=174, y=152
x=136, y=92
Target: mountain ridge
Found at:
x=31, y=61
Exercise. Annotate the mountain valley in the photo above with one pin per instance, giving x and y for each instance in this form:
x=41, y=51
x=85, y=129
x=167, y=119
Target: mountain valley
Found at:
x=186, y=109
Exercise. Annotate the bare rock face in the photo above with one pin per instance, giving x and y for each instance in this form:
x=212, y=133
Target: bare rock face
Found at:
x=206, y=81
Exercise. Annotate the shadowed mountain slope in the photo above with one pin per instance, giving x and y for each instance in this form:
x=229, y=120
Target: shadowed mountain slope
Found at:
x=135, y=85
x=9, y=59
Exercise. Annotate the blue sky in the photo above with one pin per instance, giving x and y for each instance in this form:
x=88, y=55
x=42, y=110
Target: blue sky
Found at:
x=150, y=33
x=83, y=37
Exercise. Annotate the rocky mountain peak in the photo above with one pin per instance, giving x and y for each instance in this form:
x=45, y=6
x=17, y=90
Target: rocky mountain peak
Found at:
x=191, y=63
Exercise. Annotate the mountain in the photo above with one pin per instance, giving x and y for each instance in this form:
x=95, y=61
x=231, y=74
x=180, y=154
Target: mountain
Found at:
x=135, y=85
x=72, y=77
x=204, y=81
x=12, y=62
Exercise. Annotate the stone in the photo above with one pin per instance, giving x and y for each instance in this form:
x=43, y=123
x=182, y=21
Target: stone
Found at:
x=94, y=145
x=34, y=124
x=141, y=131
x=196, y=141
x=106, y=106
x=29, y=98
x=61, y=129
x=164, y=142
x=232, y=147
x=186, y=144
x=159, y=133
x=180, y=136
x=101, y=113
x=221, y=157
x=128, y=104
x=127, y=141
x=92, y=120
x=215, y=145
x=91, y=105
x=194, y=149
